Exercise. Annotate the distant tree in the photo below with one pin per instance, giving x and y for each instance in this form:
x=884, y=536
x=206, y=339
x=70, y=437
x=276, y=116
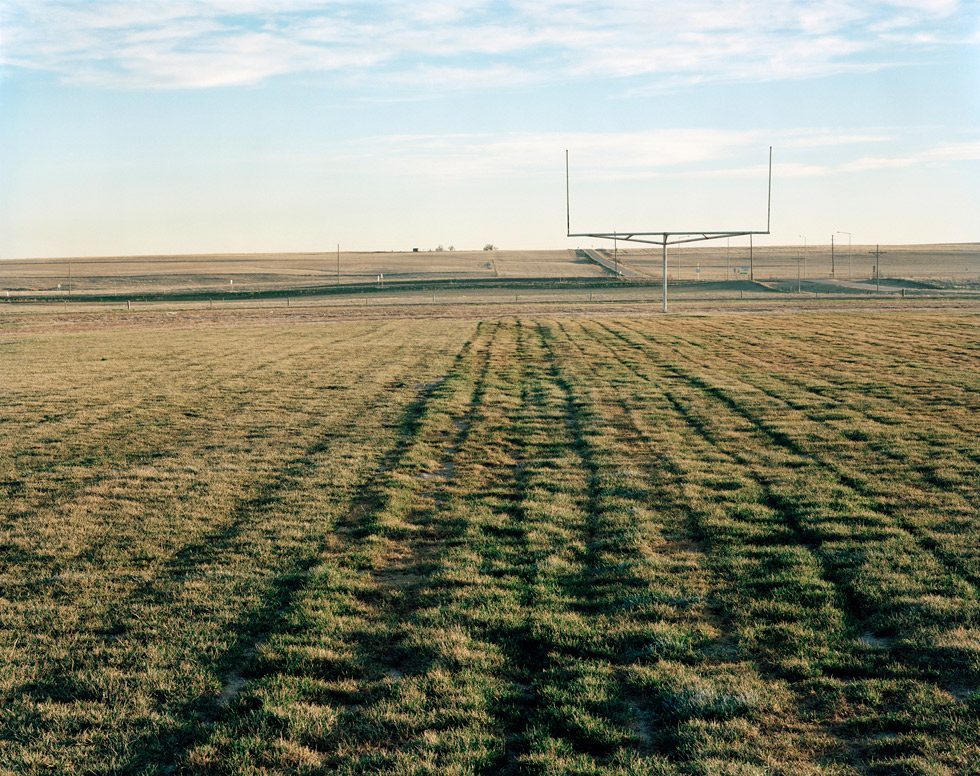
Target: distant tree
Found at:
x=452, y=247
x=489, y=247
x=440, y=248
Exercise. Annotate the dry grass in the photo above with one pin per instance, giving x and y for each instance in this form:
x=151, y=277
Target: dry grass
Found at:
x=259, y=272
x=580, y=544
x=956, y=264
x=950, y=263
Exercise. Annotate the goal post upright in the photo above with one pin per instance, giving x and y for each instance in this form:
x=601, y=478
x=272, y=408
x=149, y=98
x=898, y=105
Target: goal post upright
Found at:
x=568, y=209
x=667, y=237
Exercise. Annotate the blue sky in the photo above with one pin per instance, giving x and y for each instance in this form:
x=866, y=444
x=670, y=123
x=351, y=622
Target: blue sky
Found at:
x=169, y=127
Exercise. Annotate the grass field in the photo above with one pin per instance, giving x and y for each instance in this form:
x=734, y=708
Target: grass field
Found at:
x=263, y=272
x=531, y=542
x=954, y=265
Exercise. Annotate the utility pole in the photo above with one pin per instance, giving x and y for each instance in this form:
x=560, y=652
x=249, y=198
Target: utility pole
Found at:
x=833, y=273
x=799, y=286
x=877, y=254
x=616, y=253
x=751, y=262
x=803, y=236
x=338, y=264
x=69, y=277
x=728, y=255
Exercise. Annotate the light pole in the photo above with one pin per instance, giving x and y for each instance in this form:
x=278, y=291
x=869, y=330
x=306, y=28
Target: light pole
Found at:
x=848, y=252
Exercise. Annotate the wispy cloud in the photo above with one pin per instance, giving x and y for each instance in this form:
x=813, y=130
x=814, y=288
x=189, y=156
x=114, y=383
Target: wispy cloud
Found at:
x=397, y=45
x=955, y=152
x=605, y=155
x=620, y=156
x=952, y=152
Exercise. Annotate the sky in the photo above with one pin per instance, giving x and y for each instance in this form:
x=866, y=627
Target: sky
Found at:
x=139, y=128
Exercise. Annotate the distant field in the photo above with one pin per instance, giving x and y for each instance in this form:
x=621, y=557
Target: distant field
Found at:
x=947, y=265
x=956, y=263
x=510, y=543
x=268, y=271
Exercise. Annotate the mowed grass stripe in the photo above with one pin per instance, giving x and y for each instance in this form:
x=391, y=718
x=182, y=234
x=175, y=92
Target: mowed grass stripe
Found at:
x=758, y=584
x=930, y=489
x=344, y=628
x=790, y=430
x=67, y=428
x=793, y=640
x=564, y=545
x=685, y=680
x=110, y=633
x=564, y=725
x=111, y=510
x=834, y=370
x=224, y=585
x=833, y=505
x=828, y=351
x=838, y=373
x=891, y=484
x=107, y=457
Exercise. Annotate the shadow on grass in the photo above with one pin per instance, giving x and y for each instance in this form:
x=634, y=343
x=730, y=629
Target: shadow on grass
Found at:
x=163, y=751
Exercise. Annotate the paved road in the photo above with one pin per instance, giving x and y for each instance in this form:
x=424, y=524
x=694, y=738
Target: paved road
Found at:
x=624, y=270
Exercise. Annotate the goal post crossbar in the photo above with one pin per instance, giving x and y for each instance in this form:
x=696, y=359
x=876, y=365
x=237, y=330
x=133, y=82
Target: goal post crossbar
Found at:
x=679, y=237
x=667, y=236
